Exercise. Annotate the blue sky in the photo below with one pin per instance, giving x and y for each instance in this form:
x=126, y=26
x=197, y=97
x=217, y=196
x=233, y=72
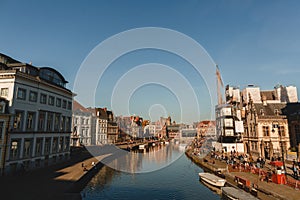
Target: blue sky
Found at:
x=253, y=42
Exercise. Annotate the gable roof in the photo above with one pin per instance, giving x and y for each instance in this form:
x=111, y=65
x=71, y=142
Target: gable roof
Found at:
x=78, y=106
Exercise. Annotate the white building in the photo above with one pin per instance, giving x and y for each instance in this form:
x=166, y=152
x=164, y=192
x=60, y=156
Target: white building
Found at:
x=149, y=130
x=101, y=126
x=83, y=124
x=41, y=108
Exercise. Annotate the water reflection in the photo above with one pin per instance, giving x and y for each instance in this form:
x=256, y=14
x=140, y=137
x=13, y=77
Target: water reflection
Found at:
x=148, y=159
x=178, y=180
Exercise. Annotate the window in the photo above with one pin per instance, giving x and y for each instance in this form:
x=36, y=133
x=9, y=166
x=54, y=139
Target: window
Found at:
x=68, y=124
x=21, y=94
x=18, y=120
x=67, y=143
x=30, y=120
x=33, y=96
x=228, y=122
x=276, y=112
x=60, y=145
x=38, y=146
x=43, y=99
x=56, y=122
x=27, y=148
x=4, y=92
x=64, y=104
x=15, y=146
x=51, y=100
x=63, y=123
x=262, y=112
x=42, y=117
x=266, y=130
x=69, y=105
x=281, y=131
x=54, y=145
x=49, y=121
x=47, y=145
x=58, y=102
x=1, y=130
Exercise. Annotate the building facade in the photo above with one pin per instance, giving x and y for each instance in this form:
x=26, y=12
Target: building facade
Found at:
x=4, y=125
x=263, y=124
x=83, y=126
x=41, y=108
x=206, y=128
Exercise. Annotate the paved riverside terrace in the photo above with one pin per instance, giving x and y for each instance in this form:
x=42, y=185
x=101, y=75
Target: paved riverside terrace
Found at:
x=60, y=181
x=266, y=190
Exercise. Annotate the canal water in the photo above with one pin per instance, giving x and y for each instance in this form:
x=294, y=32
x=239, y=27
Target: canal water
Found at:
x=171, y=175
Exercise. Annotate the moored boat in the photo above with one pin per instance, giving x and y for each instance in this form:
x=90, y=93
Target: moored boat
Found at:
x=141, y=146
x=212, y=179
x=236, y=194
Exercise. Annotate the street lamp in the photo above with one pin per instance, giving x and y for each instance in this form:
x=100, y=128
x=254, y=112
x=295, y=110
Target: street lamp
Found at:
x=276, y=125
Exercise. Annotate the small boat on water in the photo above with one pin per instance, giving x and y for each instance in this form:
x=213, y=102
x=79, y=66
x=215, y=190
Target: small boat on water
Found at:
x=236, y=194
x=141, y=146
x=212, y=179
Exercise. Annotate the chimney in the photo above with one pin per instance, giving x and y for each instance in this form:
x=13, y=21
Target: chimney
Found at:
x=264, y=100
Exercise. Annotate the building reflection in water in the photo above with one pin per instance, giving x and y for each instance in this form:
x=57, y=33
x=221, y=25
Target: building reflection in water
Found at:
x=146, y=160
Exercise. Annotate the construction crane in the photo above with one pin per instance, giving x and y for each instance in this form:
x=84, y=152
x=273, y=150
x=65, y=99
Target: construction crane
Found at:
x=220, y=86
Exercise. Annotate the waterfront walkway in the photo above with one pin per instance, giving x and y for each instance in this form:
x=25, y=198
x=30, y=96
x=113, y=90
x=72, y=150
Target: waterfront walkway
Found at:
x=266, y=190
x=60, y=181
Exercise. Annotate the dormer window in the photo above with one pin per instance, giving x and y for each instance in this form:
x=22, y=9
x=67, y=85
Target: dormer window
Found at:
x=262, y=113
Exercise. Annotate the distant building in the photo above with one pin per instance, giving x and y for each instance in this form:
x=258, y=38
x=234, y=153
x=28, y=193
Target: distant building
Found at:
x=206, y=128
x=173, y=131
x=41, y=108
x=124, y=124
x=267, y=132
x=82, y=125
x=187, y=135
x=101, y=126
x=149, y=130
x=112, y=128
x=136, y=127
x=258, y=119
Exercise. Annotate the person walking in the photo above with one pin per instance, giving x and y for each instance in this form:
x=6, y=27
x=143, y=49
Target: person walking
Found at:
x=295, y=171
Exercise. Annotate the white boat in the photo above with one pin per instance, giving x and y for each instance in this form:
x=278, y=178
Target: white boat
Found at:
x=212, y=179
x=141, y=146
x=236, y=194
x=153, y=144
x=166, y=142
